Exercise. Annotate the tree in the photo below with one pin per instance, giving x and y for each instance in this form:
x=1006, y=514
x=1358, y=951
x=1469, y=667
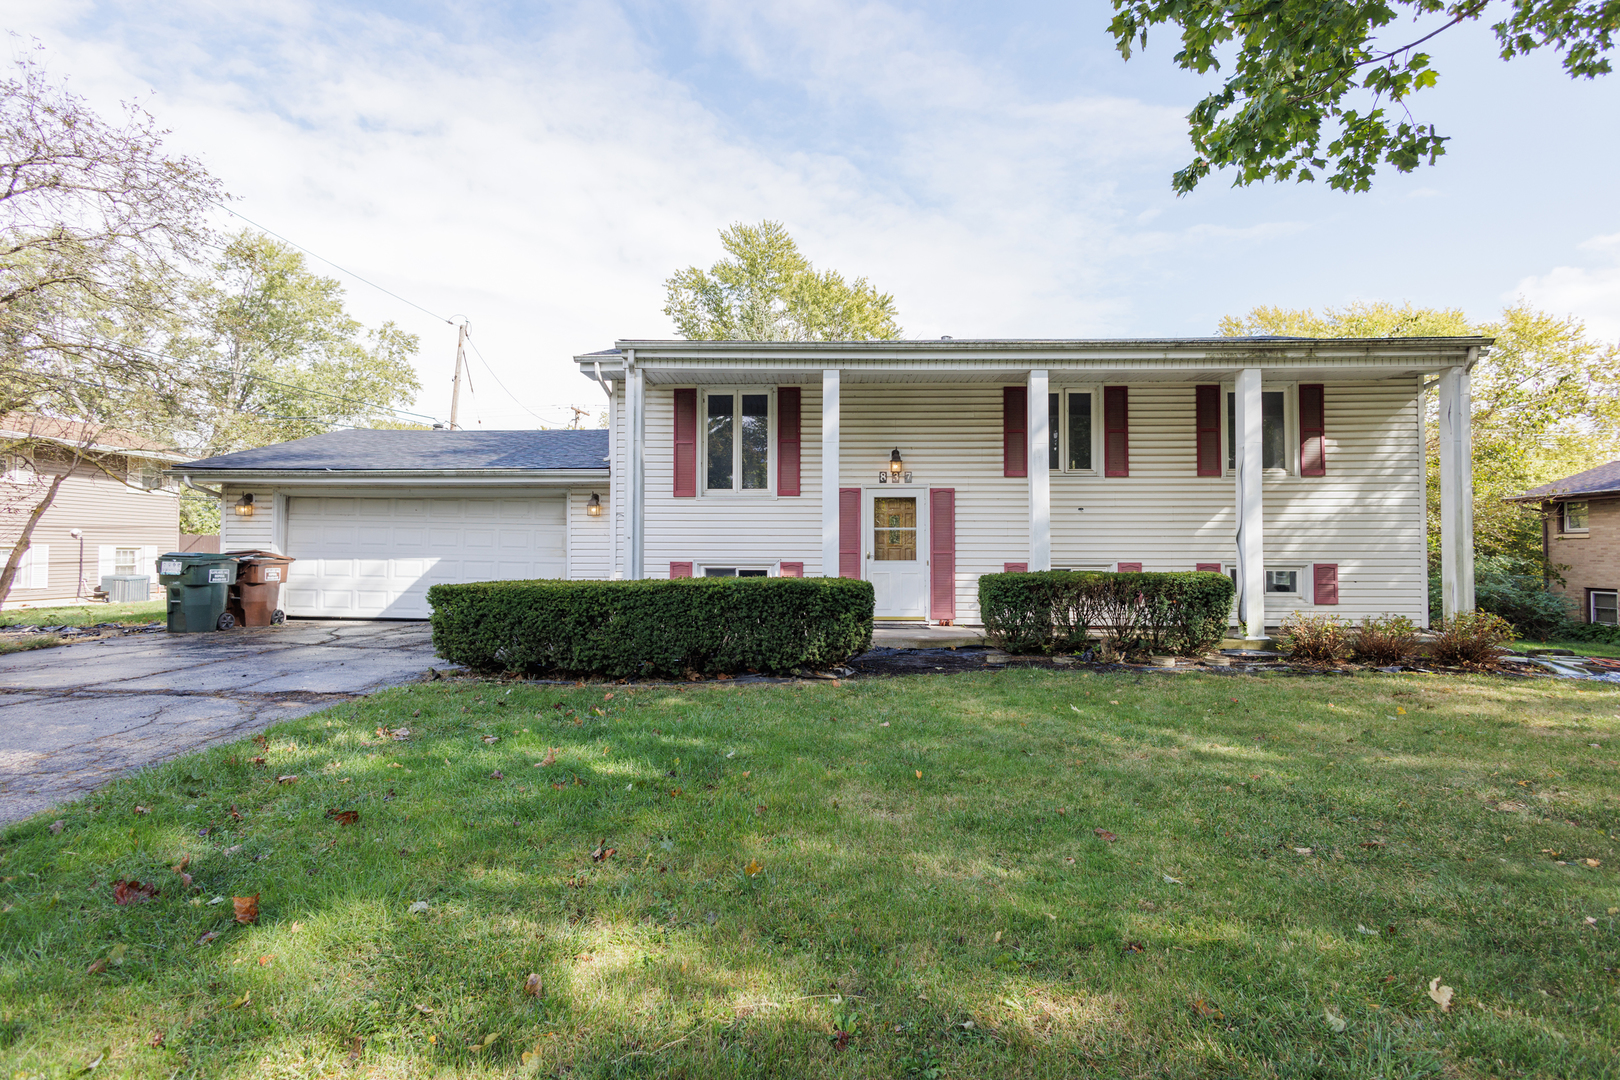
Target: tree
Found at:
x=1309, y=79
x=97, y=225
x=1546, y=404
x=768, y=291
x=275, y=355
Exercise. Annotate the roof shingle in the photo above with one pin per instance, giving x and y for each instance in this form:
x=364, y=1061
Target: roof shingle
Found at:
x=381, y=449
x=1603, y=480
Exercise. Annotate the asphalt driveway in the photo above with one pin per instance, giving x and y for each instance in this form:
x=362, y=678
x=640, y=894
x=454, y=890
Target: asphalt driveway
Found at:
x=73, y=717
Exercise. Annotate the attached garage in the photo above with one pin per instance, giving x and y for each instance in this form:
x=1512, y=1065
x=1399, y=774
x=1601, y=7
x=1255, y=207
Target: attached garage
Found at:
x=375, y=518
x=376, y=557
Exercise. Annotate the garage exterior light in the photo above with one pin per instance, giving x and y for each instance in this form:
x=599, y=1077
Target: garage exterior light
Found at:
x=244, y=505
x=594, y=507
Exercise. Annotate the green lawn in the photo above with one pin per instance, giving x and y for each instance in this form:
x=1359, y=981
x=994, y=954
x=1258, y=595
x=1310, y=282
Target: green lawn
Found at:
x=1579, y=648
x=86, y=614
x=1289, y=857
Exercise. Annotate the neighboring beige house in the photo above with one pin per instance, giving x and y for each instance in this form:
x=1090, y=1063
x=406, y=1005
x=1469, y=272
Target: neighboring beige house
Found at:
x=1295, y=465
x=1580, y=530
x=125, y=511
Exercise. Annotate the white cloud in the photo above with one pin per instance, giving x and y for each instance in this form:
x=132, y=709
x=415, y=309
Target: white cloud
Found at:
x=1592, y=292
x=545, y=183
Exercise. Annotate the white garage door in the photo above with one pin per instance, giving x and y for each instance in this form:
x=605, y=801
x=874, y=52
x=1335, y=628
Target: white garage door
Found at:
x=371, y=558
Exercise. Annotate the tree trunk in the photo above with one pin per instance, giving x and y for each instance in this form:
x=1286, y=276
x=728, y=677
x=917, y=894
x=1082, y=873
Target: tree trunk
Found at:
x=14, y=559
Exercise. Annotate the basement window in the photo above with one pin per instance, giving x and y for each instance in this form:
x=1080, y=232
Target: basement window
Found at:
x=735, y=571
x=1606, y=607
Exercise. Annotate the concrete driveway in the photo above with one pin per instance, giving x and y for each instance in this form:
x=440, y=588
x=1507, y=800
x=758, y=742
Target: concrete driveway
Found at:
x=73, y=717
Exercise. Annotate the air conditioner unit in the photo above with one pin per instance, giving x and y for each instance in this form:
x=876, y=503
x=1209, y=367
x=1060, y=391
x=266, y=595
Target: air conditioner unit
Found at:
x=127, y=588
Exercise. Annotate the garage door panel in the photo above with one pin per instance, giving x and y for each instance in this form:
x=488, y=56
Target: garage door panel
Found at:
x=360, y=557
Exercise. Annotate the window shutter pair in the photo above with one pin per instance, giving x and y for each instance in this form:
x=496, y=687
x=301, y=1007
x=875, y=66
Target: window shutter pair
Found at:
x=1312, y=430
x=789, y=441
x=1015, y=431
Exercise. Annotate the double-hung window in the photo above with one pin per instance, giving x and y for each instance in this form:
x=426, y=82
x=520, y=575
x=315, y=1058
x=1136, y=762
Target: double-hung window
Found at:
x=126, y=561
x=1605, y=606
x=1575, y=517
x=1274, y=442
x=737, y=441
x=1070, y=424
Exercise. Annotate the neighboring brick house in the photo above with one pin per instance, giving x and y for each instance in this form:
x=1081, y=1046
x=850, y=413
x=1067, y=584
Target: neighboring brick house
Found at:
x=125, y=510
x=1580, y=530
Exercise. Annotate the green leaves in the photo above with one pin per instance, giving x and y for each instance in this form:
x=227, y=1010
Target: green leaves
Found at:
x=1296, y=66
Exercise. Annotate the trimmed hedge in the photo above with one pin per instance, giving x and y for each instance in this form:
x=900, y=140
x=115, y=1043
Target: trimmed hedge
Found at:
x=1052, y=611
x=624, y=629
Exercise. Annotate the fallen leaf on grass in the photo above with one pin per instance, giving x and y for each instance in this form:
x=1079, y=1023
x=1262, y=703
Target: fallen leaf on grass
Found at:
x=1440, y=994
x=344, y=817
x=1363, y=930
x=132, y=892
x=246, y=908
x=99, y=1058
x=418, y=907
x=241, y=1001
x=1372, y=843
x=497, y=775
x=258, y=761
x=265, y=961
x=1334, y=1020
x=753, y=869
x=491, y=739
x=919, y=774
x=1168, y=880
x=97, y=967
x=206, y=938
x=291, y=778
x=1591, y=862
x=142, y=810
x=356, y=1046
x=156, y=1041
x=1207, y=1011
x=603, y=852
x=480, y=1047
x=424, y=1010
x=1105, y=834
x=1302, y=851
x=532, y=986
x=549, y=760
x=57, y=826
x=236, y=815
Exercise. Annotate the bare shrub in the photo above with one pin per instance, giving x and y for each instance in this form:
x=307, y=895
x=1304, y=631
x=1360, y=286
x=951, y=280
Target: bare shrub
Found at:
x=1385, y=639
x=1314, y=639
x=1471, y=640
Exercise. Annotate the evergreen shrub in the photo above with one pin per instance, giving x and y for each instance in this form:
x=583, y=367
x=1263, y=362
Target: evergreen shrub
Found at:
x=1053, y=611
x=654, y=628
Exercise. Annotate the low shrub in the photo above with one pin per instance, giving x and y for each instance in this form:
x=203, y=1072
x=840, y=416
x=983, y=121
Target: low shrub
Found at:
x=1385, y=639
x=1054, y=610
x=1471, y=639
x=623, y=629
x=1314, y=639
x=1598, y=633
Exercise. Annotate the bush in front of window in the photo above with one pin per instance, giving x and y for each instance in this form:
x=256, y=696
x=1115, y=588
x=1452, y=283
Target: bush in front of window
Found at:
x=1314, y=639
x=655, y=628
x=1184, y=614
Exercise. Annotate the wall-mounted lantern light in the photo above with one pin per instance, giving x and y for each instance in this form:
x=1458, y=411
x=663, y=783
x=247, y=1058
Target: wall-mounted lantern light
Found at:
x=594, y=507
x=897, y=473
x=244, y=505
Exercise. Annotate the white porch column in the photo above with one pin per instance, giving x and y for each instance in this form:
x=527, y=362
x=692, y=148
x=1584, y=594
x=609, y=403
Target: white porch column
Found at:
x=1250, y=506
x=1456, y=494
x=635, y=407
x=829, y=472
x=1040, y=476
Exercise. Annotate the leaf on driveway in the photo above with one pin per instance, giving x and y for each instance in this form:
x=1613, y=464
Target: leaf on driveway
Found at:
x=132, y=892
x=344, y=817
x=1440, y=994
x=246, y=908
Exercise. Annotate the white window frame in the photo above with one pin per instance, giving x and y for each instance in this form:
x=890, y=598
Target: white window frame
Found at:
x=1304, y=579
x=1063, y=393
x=18, y=470
x=1563, y=518
x=1591, y=603
x=702, y=569
x=771, y=463
x=1290, y=393
x=134, y=565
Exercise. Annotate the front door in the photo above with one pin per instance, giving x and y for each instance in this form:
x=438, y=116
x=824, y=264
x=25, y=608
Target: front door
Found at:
x=895, y=563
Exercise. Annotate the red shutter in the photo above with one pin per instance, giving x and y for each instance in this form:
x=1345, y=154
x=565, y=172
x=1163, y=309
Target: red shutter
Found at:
x=793, y=569
x=1015, y=431
x=1326, y=576
x=1116, y=431
x=686, y=447
x=849, y=532
x=1209, y=430
x=680, y=569
x=942, y=553
x=1211, y=567
x=1015, y=568
x=1312, y=431
x=1128, y=567
x=787, y=440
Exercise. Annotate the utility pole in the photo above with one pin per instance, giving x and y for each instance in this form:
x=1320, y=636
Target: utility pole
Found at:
x=455, y=388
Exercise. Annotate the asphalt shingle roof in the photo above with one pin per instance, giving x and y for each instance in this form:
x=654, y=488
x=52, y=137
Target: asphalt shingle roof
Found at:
x=421, y=451
x=1603, y=479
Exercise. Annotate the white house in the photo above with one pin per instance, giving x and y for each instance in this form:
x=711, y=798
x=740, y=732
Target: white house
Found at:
x=1296, y=465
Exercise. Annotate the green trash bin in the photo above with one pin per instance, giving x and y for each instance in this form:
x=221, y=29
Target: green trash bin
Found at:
x=198, y=585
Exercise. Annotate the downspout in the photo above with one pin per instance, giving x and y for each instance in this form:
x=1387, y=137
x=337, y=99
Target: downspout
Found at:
x=186, y=480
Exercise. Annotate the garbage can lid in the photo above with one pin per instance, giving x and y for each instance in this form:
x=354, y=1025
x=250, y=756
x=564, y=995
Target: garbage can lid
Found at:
x=260, y=555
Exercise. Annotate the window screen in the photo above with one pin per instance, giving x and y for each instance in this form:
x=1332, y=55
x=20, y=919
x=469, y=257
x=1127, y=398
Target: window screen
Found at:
x=720, y=434
x=1282, y=581
x=756, y=440
x=1079, y=431
x=1273, y=430
x=1606, y=607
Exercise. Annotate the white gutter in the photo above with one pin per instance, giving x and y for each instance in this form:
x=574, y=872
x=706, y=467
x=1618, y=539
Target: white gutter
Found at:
x=186, y=480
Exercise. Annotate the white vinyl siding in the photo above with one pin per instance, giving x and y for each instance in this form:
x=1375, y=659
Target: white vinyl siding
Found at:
x=590, y=539
x=256, y=533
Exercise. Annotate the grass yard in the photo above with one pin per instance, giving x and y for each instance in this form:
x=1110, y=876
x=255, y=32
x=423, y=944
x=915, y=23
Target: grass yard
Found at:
x=1579, y=648
x=892, y=878
x=86, y=614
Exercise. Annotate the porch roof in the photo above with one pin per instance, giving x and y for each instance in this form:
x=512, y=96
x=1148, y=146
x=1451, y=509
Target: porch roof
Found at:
x=957, y=360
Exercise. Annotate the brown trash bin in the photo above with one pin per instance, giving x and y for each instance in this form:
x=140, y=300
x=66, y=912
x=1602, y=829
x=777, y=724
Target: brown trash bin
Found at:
x=254, y=598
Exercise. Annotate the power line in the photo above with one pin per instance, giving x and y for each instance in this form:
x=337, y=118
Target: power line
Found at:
x=497, y=379
x=334, y=265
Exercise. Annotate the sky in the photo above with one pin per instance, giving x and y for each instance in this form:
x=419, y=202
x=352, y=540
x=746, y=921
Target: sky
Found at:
x=541, y=168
